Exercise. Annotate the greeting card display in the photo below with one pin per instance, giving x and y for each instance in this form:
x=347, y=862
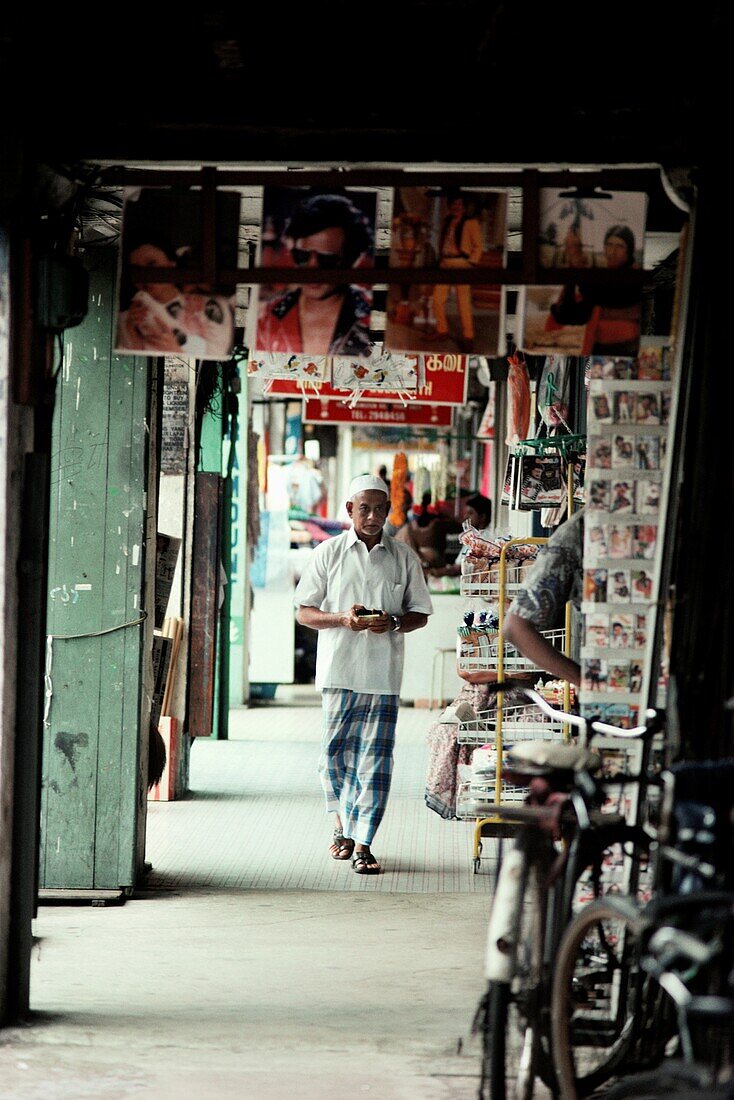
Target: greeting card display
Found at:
x=627, y=415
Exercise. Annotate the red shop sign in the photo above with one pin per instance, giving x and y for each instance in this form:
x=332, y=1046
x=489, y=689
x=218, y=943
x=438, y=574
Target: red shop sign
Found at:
x=319, y=410
x=447, y=378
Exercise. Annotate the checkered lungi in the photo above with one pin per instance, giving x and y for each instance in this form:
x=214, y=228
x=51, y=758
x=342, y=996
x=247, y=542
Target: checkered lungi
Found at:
x=355, y=764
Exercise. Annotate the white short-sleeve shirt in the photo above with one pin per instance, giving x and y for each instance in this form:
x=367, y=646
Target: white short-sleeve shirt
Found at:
x=342, y=572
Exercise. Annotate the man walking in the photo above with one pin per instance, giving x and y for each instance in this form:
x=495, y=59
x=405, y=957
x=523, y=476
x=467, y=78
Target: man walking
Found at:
x=362, y=590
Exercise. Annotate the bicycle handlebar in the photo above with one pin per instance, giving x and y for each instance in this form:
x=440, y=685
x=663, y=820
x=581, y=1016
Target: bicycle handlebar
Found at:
x=652, y=725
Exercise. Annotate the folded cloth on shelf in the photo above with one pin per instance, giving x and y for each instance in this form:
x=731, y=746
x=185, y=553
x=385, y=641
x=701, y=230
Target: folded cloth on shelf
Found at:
x=459, y=712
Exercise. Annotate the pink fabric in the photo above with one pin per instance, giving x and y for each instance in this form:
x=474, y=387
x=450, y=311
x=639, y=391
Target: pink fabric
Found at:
x=445, y=754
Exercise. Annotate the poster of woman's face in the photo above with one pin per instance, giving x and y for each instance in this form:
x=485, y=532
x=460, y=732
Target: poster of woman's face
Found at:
x=641, y=584
x=600, y=409
x=620, y=586
x=163, y=228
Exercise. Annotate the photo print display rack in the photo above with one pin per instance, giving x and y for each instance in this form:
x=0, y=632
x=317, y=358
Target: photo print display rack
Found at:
x=629, y=418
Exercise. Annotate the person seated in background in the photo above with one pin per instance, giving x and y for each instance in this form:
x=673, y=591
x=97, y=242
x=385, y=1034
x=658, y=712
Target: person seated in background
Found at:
x=478, y=511
x=427, y=532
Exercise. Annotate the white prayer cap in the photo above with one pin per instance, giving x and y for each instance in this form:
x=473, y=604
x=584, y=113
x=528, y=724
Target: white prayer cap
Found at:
x=366, y=481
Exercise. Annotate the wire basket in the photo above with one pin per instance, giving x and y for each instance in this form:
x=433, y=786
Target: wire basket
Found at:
x=474, y=799
x=523, y=722
x=485, y=583
x=485, y=654
x=520, y=722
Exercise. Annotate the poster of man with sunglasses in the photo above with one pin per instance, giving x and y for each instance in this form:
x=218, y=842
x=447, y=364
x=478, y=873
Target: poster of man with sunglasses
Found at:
x=326, y=231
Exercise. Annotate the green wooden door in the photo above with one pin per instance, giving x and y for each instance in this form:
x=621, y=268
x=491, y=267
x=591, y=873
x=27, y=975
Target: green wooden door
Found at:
x=92, y=788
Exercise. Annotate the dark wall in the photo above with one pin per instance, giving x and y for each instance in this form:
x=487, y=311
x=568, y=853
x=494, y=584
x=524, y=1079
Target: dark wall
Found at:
x=701, y=566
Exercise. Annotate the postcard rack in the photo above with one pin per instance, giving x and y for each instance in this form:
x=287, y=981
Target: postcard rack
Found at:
x=493, y=732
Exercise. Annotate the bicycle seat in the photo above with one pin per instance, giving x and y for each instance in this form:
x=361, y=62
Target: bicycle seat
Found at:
x=546, y=757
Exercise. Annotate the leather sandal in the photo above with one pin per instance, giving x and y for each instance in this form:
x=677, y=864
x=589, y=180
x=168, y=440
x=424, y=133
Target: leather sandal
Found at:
x=364, y=863
x=342, y=846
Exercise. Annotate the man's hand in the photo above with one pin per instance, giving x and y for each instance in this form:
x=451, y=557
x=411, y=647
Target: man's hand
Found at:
x=381, y=625
x=355, y=622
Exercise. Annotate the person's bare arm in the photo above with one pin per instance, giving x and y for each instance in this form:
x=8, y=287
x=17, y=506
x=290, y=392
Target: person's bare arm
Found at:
x=328, y=620
x=324, y=620
x=531, y=643
x=412, y=620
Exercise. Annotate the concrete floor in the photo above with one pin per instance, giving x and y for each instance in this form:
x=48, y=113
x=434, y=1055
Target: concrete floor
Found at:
x=221, y=980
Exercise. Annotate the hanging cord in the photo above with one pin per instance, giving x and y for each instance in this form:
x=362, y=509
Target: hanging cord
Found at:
x=50, y=638
x=99, y=633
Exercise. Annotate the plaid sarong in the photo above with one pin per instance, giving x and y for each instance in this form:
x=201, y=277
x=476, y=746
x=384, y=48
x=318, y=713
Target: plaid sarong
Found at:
x=355, y=764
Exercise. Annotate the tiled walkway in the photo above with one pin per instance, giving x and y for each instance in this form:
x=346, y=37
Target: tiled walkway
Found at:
x=255, y=819
x=252, y=966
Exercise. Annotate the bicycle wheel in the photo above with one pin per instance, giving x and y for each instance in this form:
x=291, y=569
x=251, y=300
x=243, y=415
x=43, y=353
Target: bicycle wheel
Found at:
x=515, y=1042
x=672, y=1079
x=595, y=996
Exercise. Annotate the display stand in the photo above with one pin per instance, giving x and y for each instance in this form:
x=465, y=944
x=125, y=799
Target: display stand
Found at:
x=497, y=586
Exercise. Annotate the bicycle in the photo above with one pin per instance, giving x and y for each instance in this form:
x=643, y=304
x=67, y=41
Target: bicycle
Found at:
x=564, y=844
x=607, y=974
x=677, y=960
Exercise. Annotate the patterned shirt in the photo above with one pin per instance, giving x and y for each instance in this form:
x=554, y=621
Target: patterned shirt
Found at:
x=556, y=577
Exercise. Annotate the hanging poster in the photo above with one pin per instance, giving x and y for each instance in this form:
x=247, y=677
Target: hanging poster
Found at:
x=597, y=229
x=604, y=230
x=446, y=380
x=383, y=370
x=162, y=227
x=313, y=229
x=450, y=229
x=299, y=368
